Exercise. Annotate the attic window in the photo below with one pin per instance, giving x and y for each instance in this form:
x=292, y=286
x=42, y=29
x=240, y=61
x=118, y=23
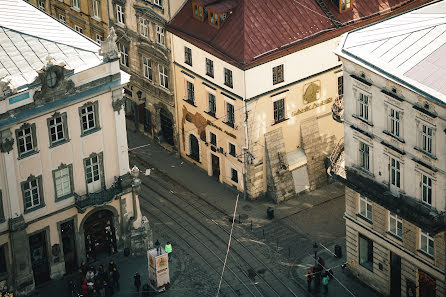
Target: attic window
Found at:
x=198, y=11
x=214, y=18
x=343, y=5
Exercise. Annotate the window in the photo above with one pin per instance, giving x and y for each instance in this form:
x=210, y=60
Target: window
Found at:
x=230, y=114
x=119, y=15
x=277, y=74
x=363, y=103
x=99, y=38
x=234, y=175
x=62, y=181
x=395, y=225
x=395, y=117
x=228, y=77
x=198, y=11
x=76, y=4
x=232, y=150
x=365, y=207
x=209, y=67
x=163, y=76
x=188, y=56
x=212, y=105
x=214, y=19
x=78, y=29
x=89, y=117
x=42, y=5
x=190, y=94
x=279, y=111
x=92, y=173
x=26, y=140
x=57, y=128
x=158, y=2
x=147, y=68
x=160, y=39
x=32, y=192
x=143, y=27
x=213, y=138
x=61, y=18
x=345, y=4
x=95, y=6
x=366, y=252
x=124, y=51
x=426, y=138
x=426, y=243
x=340, y=85
x=395, y=173
x=364, y=156
x=426, y=189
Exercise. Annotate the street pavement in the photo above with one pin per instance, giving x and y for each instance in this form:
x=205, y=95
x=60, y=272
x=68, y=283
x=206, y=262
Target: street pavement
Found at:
x=313, y=217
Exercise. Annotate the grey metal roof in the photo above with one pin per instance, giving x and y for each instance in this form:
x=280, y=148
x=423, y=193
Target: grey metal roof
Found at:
x=410, y=47
x=28, y=36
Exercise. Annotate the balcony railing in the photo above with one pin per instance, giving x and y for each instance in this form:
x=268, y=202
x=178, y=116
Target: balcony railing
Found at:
x=82, y=202
x=337, y=109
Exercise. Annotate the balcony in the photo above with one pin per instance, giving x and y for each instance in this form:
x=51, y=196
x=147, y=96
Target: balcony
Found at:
x=337, y=109
x=409, y=208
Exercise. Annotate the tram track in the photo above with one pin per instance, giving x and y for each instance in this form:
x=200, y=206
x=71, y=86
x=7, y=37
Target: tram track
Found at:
x=271, y=283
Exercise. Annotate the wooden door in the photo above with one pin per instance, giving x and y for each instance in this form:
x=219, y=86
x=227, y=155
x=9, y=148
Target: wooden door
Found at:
x=215, y=166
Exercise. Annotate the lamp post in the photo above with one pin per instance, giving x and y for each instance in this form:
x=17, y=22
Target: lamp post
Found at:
x=315, y=248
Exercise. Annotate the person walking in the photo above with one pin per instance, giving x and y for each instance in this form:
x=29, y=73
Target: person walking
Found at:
x=111, y=265
x=325, y=280
x=309, y=276
x=168, y=249
x=115, y=277
x=137, y=281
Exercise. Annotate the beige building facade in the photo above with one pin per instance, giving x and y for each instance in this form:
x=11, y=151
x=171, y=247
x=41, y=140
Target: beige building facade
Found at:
x=393, y=156
x=66, y=190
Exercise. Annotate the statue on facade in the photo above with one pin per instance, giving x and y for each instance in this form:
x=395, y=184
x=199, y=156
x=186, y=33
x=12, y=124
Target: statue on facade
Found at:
x=109, y=49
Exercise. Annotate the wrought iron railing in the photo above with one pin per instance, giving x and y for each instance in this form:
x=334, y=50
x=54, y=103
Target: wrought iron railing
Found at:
x=337, y=109
x=337, y=161
x=98, y=198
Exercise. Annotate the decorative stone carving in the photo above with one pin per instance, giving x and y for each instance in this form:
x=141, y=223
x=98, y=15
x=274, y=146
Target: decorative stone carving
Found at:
x=109, y=49
x=141, y=239
x=5, y=88
x=118, y=104
x=6, y=141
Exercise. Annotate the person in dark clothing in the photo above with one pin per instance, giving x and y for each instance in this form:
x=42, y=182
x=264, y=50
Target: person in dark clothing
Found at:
x=137, y=281
x=309, y=276
x=107, y=289
x=111, y=265
x=115, y=277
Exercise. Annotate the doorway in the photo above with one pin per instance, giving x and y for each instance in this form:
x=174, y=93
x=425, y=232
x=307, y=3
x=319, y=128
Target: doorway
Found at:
x=215, y=166
x=194, y=148
x=395, y=275
x=166, y=126
x=69, y=245
x=39, y=258
x=147, y=121
x=97, y=229
x=426, y=284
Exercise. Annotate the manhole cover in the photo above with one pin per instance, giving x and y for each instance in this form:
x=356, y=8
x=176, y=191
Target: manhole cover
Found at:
x=247, y=207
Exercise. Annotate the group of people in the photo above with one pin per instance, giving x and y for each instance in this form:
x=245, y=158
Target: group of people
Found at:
x=319, y=275
x=95, y=282
x=91, y=243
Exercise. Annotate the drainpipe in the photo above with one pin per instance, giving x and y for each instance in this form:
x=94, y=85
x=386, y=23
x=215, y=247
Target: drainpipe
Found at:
x=108, y=17
x=245, y=149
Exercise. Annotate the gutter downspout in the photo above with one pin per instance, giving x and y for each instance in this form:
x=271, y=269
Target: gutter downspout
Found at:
x=245, y=149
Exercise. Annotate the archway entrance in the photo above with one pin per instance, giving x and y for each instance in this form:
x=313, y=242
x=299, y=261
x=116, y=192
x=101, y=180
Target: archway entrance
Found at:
x=99, y=233
x=194, y=148
x=166, y=126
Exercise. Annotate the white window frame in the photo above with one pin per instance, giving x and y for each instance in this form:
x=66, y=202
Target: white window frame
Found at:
x=395, y=225
x=27, y=139
x=278, y=74
x=32, y=188
x=280, y=116
x=427, y=139
x=99, y=38
x=78, y=29
x=395, y=122
x=53, y=124
x=86, y=112
x=143, y=27
x=41, y=5
x=363, y=106
x=365, y=208
x=364, y=155
x=427, y=187
x=124, y=51
x=95, y=8
x=425, y=243
x=147, y=68
x=120, y=15
x=158, y=3
x=163, y=76
x=395, y=174
x=62, y=18
x=92, y=168
x=76, y=4
x=62, y=181
x=160, y=35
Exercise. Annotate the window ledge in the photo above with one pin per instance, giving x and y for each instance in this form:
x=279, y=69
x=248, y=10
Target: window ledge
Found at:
x=281, y=121
x=190, y=102
x=64, y=197
x=192, y=158
x=394, y=236
x=425, y=153
x=58, y=143
x=362, y=120
x=28, y=210
x=187, y=63
x=212, y=114
x=90, y=132
x=96, y=18
x=364, y=218
x=278, y=82
x=120, y=25
x=230, y=86
x=426, y=254
x=210, y=75
x=393, y=136
x=229, y=124
x=75, y=9
x=27, y=154
x=363, y=170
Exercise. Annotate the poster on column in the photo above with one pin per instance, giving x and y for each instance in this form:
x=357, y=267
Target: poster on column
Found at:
x=158, y=265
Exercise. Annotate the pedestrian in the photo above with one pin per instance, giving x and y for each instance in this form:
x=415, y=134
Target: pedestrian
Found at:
x=90, y=274
x=168, y=249
x=107, y=289
x=309, y=279
x=137, y=281
x=157, y=245
x=84, y=286
x=111, y=265
x=115, y=277
x=325, y=280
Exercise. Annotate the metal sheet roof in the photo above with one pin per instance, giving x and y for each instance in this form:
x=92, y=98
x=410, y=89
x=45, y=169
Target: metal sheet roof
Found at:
x=28, y=36
x=410, y=47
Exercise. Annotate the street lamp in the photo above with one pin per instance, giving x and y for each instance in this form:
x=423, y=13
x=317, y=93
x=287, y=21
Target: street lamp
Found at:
x=315, y=248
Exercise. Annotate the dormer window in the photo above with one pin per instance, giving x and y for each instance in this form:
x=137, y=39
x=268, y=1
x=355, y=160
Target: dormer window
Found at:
x=343, y=5
x=214, y=18
x=198, y=11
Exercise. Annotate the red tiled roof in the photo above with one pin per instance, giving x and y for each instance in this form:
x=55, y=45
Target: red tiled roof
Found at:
x=223, y=6
x=258, y=30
